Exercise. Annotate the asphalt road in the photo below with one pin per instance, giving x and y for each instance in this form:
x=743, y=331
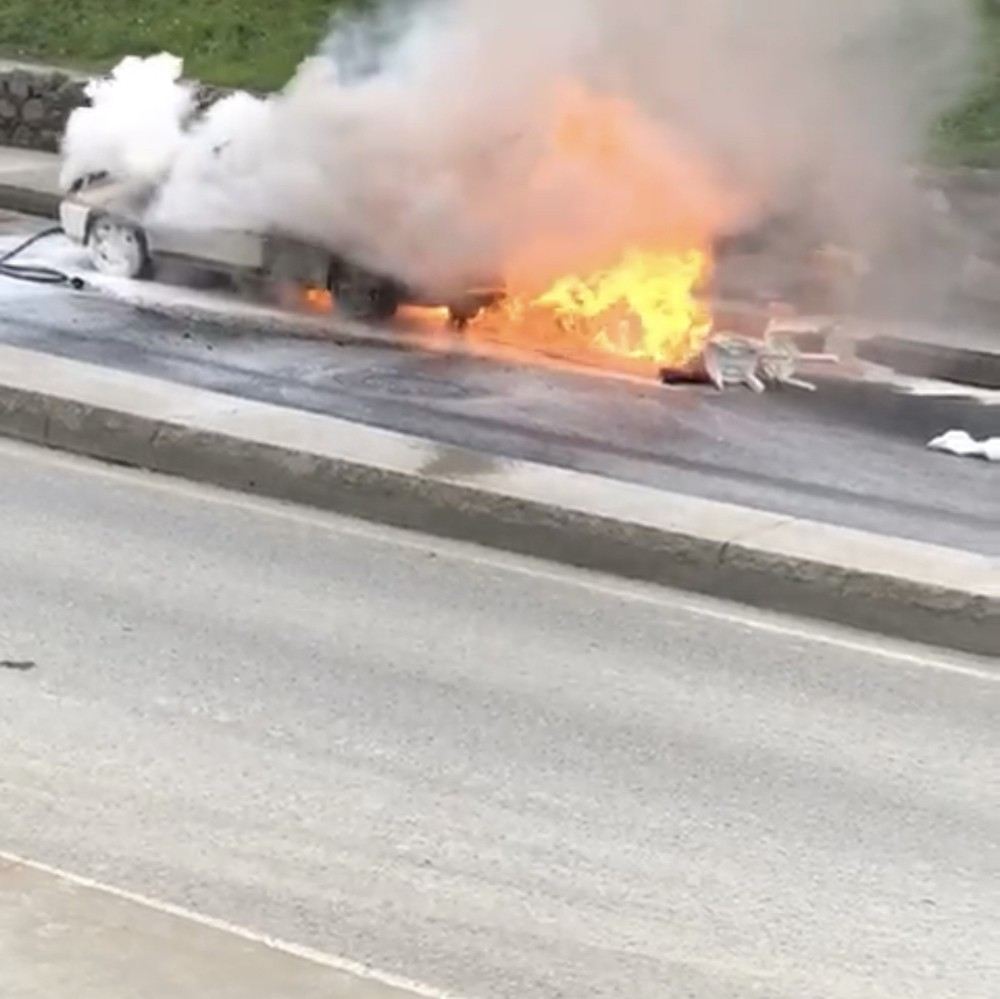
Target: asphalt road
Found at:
x=478, y=771
x=852, y=454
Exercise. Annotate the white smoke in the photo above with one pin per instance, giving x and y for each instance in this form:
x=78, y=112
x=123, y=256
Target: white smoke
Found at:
x=425, y=140
x=216, y=180
x=133, y=127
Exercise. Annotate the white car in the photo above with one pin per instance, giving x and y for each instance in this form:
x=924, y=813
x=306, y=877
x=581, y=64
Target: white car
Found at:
x=104, y=216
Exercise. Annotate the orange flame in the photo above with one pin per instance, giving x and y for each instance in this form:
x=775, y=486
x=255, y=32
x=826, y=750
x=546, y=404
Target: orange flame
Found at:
x=641, y=313
x=317, y=299
x=615, y=271
x=635, y=208
x=644, y=309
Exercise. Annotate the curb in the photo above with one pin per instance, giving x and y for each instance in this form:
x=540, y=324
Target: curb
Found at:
x=116, y=944
x=29, y=202
x=888, y=585
x=968, y=366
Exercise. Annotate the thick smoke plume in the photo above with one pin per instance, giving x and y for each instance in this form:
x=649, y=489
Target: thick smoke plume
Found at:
x=134, y=126
x=449, y=141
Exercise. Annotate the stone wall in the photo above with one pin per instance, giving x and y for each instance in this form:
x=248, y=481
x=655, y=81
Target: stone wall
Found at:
x=35, y=104
x=34, y=107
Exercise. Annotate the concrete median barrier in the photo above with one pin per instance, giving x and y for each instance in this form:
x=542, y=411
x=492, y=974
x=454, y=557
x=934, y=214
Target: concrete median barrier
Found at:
x=884, y=584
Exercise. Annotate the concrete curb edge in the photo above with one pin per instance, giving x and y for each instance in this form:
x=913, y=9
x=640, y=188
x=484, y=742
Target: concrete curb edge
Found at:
x=29, y=202
x=892, y=586
x=965, y=365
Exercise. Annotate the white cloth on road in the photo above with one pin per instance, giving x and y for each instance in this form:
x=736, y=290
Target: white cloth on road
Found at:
x=961, y=443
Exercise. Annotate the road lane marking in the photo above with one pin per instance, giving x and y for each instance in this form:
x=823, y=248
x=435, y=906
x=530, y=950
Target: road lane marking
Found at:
x=968, y=666
x=355, y=968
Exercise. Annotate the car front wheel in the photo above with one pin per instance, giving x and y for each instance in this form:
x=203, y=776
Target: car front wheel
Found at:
x=363, y=296
x=119, y=249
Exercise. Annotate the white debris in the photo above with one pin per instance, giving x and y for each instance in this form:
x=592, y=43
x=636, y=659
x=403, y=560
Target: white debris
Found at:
x=964, y=445
x=733, y=360
x=737, y=360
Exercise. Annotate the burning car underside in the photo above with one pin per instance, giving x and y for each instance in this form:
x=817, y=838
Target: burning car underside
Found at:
x=653, y=311
x=650, y=311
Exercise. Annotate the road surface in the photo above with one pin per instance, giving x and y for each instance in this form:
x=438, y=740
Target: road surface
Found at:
x=478, y=771
x=852, y=454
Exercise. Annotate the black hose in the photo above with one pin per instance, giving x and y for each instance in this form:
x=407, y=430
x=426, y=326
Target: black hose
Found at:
x=36, y=273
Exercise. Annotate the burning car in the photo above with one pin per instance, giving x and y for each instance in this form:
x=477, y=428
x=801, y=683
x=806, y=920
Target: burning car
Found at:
x=106, y=216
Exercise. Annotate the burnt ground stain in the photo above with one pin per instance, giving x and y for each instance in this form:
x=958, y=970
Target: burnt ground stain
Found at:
x=453, y=462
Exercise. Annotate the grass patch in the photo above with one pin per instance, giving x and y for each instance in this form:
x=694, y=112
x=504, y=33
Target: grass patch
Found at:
x=970, y=134
x=240, y=43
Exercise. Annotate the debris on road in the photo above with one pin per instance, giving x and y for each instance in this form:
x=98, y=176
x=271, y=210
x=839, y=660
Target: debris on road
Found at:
x=758, y=365
x=963, y=444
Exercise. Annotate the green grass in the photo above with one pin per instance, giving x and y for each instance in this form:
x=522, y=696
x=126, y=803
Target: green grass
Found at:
x=970, y=134
x=244, y=43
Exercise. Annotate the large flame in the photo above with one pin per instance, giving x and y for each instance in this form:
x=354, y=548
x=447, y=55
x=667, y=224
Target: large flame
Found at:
x=622, y=284
x=615, y=271
x=643, y=311
x=645, y=308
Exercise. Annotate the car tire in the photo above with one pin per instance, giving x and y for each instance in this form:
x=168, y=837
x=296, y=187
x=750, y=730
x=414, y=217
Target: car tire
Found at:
x=118, y=248
x=364, y=296
x=460, y=314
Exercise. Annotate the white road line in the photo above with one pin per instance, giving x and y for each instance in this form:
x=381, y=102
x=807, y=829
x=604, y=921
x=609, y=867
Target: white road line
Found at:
x=968, y=666
x=293, y=950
